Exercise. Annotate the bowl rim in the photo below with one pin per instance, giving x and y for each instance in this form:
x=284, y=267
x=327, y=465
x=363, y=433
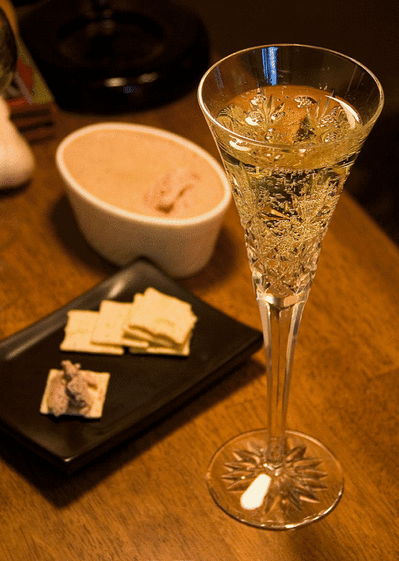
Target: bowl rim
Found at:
x=116, y=211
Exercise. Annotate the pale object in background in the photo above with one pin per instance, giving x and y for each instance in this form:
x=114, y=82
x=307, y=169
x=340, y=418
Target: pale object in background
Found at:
x=16, y=158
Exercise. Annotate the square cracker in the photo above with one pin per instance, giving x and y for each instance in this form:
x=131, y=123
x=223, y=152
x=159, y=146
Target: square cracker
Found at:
x=97, y=386
x=144, y=338
x=184, y=350
x=162, y=316
x=78, y=334
x=110, y=326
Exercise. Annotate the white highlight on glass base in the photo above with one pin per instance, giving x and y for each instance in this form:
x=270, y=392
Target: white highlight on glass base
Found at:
x=253, y=497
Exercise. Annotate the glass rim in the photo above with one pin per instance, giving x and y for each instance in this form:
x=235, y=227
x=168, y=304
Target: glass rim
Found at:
x=303, y=145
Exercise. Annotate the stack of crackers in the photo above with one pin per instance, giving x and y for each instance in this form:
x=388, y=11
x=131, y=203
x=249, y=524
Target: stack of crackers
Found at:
x=154, y=323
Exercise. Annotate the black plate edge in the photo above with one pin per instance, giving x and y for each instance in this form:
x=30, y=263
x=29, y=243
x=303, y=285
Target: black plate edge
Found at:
x=72, y=465
x=53, y=321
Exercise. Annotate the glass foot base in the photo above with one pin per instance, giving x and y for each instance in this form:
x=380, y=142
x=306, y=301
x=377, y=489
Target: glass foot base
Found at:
x=304, y=489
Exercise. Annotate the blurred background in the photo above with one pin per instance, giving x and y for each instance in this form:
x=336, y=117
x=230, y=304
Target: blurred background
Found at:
x=366, y=30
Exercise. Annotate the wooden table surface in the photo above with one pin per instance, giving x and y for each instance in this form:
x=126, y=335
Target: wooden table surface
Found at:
x=147, y=499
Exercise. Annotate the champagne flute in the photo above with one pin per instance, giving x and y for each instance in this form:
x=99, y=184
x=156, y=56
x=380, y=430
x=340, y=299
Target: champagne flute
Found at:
x=289, y=121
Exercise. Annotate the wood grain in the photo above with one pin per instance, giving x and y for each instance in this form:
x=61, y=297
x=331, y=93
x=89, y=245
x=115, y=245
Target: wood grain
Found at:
x=147, y=500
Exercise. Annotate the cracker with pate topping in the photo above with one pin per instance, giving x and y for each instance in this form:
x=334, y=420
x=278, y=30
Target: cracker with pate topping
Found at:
x=76, y=392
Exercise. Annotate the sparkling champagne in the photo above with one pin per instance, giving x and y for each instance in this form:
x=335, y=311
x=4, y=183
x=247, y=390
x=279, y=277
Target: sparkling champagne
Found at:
x=287, y=161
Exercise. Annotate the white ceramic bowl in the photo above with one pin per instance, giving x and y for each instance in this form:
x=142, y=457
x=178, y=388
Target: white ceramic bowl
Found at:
x=181, y=247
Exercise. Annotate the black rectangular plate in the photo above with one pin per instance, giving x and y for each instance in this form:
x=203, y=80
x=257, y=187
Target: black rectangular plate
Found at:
x=142, y=389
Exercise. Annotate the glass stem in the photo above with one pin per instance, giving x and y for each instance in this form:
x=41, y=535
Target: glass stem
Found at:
x=280, y=321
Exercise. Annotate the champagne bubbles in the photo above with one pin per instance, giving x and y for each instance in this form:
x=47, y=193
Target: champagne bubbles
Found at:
x=255, y=118
x=281, y=115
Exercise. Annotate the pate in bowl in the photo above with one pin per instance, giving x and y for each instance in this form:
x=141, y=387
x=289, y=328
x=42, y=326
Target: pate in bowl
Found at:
x=138, y=191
